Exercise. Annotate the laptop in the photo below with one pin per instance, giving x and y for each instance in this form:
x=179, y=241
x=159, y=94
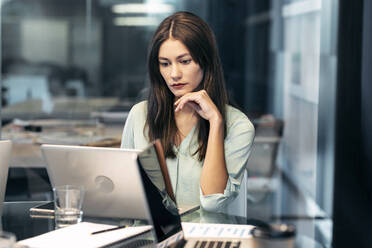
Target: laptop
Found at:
x=165, y=217
x=108, y=176
x=113, y=187
x=5, y=153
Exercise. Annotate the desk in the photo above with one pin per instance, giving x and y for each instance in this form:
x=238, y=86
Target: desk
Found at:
x=27, y=178
x=26, y=144
x=16, y=219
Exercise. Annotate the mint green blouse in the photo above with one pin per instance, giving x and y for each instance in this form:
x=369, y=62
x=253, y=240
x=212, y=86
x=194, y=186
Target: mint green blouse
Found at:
x=185, y=169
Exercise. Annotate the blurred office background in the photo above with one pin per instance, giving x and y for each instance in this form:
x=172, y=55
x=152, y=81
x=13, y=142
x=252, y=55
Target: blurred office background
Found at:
x=72, y=69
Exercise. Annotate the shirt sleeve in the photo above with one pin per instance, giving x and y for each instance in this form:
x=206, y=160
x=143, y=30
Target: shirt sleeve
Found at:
x=238, y=144
x=127, y=138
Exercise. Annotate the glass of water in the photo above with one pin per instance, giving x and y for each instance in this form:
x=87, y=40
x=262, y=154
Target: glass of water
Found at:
x=68, y=201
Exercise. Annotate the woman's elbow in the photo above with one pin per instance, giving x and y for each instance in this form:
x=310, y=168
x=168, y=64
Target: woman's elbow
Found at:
x=213, y=203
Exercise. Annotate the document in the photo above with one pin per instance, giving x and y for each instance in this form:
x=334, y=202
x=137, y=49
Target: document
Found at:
x=80, y=235
x=204, y=230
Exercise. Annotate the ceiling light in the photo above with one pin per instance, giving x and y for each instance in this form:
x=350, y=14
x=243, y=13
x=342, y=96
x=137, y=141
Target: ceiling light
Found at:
x=143, y=8
x=136, y=21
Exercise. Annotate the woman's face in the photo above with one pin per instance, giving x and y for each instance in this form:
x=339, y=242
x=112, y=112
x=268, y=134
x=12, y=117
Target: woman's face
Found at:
x=181, y=73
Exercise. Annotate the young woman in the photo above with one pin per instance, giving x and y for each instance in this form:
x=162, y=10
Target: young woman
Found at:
x=206, y=141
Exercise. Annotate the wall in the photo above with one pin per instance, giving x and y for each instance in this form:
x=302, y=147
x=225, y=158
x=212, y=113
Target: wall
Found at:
x=295, y=86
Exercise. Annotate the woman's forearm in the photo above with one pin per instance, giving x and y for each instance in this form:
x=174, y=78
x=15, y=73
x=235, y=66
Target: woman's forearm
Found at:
x=214, y=174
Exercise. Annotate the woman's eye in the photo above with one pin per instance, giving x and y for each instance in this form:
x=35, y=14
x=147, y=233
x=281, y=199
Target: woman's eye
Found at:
x=186, y=61
x=163, y=64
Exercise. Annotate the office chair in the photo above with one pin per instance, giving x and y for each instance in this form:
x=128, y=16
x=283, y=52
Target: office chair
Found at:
x=239, y=206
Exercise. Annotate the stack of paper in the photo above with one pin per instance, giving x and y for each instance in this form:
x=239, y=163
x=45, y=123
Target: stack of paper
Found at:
x=80, y=235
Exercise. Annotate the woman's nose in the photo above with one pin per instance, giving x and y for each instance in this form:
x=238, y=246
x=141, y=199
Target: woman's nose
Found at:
x=176, y=73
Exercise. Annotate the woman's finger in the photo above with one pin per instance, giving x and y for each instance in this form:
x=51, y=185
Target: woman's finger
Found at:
x=184, y=99
x=200, y=101
x=195, y=106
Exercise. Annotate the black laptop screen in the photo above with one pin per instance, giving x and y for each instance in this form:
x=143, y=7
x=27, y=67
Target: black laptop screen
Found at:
x=163, y=209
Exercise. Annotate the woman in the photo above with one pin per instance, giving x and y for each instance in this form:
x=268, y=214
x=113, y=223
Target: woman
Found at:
x=206, y=142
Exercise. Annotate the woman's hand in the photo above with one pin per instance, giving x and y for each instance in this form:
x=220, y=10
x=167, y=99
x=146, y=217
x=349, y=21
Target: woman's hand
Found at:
x=214, y=176
x=201, y=103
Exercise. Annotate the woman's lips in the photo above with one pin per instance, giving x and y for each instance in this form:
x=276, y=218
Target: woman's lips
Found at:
x=178, y=86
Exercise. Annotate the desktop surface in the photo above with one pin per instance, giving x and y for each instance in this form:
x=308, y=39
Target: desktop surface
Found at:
x=16, y=219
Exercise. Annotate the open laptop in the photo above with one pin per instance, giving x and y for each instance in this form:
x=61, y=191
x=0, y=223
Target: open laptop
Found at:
x=163, y=211
x=5, y=154
x=109, y=176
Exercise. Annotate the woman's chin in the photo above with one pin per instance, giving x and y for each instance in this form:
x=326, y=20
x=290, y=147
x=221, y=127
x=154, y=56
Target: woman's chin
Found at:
x=178, y=95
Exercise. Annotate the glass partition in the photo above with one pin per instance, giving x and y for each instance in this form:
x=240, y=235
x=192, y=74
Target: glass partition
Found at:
x=72, y=69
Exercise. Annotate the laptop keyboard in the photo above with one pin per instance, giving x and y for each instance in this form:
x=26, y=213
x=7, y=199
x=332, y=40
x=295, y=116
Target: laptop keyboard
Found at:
x=217, y=244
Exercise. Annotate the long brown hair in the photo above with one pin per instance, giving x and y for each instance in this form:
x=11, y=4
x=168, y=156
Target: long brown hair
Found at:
x=196, y=35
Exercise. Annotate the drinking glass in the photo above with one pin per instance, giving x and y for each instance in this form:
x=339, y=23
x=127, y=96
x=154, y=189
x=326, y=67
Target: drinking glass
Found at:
x=68, y=201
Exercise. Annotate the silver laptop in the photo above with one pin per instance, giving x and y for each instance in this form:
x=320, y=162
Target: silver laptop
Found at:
x=163, y=211
x=5, y=154
x=109, y=176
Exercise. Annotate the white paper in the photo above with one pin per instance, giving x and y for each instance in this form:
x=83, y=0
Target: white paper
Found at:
x=80, y=235
x=204, y=230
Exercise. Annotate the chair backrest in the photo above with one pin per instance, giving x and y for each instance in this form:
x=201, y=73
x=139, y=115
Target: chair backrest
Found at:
x=5, y=153
x=239, y=206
